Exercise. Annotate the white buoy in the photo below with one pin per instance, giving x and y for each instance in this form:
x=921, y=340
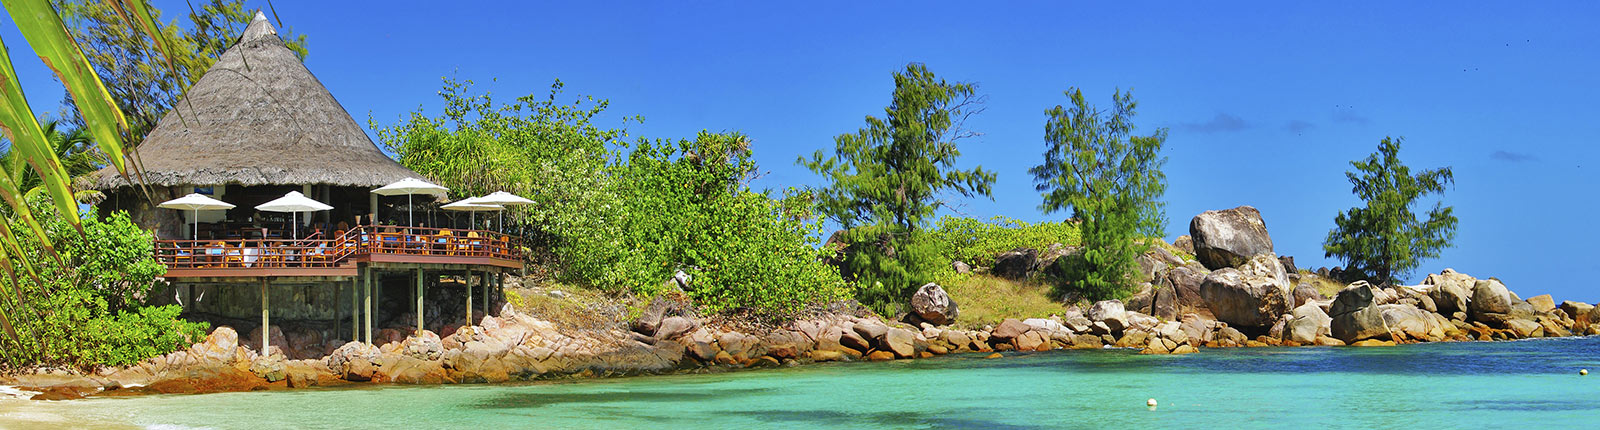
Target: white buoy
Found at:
x=1583, y=372
x=1150, y=403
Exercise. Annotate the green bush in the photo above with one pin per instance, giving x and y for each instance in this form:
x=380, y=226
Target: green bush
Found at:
x=887, y=265
x=85, y=307
x=977, y=242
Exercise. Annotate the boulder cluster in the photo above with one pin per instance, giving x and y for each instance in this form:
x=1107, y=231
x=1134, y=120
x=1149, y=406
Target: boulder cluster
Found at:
x=1234, y=293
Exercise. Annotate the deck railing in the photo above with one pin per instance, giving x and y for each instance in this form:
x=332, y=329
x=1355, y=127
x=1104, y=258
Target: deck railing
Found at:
x=337, y=249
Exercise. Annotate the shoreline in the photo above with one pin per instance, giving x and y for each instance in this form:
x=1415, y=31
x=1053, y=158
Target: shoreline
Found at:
x=518, y=347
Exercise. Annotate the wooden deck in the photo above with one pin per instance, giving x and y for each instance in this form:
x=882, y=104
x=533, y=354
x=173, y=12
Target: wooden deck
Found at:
x=339, y=255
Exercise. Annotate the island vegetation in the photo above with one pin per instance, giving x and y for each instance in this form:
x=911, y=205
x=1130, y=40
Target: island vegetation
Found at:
x=647, y=218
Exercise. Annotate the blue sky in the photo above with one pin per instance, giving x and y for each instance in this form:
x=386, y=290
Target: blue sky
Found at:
x=1266, y=102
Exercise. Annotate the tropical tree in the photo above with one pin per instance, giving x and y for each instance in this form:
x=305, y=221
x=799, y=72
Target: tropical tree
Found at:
x=1385, y=240
x=48, y=37
x=73, y=147
x=1111, y=179
x=138, y=77
x=885, y=181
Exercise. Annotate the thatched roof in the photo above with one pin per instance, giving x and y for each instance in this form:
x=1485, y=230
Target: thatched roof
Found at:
x=259, y=117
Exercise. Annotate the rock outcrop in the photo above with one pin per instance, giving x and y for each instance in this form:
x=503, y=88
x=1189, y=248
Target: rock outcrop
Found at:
x=1254, y=295
x=933, y=305
x=1229, y=238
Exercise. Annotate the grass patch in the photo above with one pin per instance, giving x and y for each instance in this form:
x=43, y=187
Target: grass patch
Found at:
x=985, y=299
x=1326, y=287
x=575, y=307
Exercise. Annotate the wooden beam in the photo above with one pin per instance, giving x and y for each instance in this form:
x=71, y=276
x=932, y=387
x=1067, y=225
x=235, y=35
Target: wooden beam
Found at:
x=469, y=297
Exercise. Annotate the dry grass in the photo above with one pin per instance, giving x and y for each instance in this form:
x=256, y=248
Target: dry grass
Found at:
x=1326, y=287
x=576, y=306
x=985, y=299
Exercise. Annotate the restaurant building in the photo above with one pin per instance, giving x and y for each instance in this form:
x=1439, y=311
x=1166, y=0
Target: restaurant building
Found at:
x=256, y=126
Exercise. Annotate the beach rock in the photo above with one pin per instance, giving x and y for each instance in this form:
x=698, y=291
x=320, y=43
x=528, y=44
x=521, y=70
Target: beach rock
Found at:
x=1305, y=293
x=674, y=326
x=268, y=368
x=274, y=337
x=1542, y=303
x=850, y=338
x=1009, y=329
x=1109, y=312
x=1044, y=325
x=423, y=346
x=1165, y=303
x=1033, y=341
x=1254, y=295
x=1356, y=315
x=1414, y=323
x=1232, y=336
x=1015, y=264
x=1078, y=324
x=1186, y=283
x=1229, y=238
x=1307, y=322
x=901, y=342
x=1135, y=320
x=870, y=329
x=1576, y=310
x=1489, y=297
x=933, y=305
x=880, y=356
x=1523, y=328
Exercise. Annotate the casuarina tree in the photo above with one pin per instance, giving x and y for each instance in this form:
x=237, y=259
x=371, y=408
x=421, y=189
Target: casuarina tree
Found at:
x=886, y=180
x=1386, y=239
x=1111, y=179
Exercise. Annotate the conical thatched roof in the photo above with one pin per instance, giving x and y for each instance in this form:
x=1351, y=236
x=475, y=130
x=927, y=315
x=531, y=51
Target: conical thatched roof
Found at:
x=259, y=117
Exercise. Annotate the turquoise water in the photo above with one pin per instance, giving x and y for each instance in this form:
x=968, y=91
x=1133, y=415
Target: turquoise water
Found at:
x=1448, y=385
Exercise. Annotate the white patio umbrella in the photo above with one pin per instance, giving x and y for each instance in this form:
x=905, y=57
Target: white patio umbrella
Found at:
x=409, y=186
x=293, y=203
x=472, y=204
x=506, y=199
x=195, y=202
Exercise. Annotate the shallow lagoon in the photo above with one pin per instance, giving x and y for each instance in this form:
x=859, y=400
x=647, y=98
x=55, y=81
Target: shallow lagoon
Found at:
x=1522, y=384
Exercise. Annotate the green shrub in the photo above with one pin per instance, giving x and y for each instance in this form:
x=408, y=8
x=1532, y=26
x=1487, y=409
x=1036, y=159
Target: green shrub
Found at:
x=977, y=242
x=684, y=206
x=887, y=265
x=85, y=307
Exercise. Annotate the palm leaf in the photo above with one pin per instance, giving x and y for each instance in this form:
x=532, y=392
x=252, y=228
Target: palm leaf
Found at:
x=47, y=35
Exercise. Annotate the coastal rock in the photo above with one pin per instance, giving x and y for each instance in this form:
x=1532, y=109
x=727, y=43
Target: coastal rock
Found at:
x=852, y=339
x=1009, y=329
x=871, y=329
x=1254, y=295
x=1305, y=293
x=1044, y=325
x=1542, y=303
x=901, y=342
x=268, y=368
x=1576, y=310
x=1414, y=323
x=1229, y=238
x=1524, y=328
x=1186, y=283
x=354, y=361
x=1489, y=297
x=1307, y=323
x=960, y=267
x=1165, y=303
x=1356, y=315
x=671, y=327
x=1109, y=312
x=1033, y=341
x=933, y=305
x=423, y=346
x=1184, y=243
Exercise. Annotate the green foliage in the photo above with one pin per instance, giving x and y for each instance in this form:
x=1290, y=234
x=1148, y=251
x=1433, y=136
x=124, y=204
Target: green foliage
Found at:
x=892, y=171
x=1112, y=181
x=136, y=73
x=85, y=308
x=885, y=179
x=684, y=206
x=554, y=154
x=73, y=147
x=625, y=220
x=1384, y=241
x=977, y=242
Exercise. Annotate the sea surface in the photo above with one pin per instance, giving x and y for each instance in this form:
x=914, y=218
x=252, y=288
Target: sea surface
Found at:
x=1522, y=384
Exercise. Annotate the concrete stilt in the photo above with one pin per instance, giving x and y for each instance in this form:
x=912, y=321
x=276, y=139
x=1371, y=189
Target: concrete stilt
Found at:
x=419, y=301
x=366, y=299
x=469, y=297
x=265, y=321
x=355, y=310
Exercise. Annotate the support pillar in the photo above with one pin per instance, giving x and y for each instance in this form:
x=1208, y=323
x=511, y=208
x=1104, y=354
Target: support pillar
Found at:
x=419, y=300
x=265, y=322
x=486, y=299
x=366, y=300
x=355, y=309
x=469, y=297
